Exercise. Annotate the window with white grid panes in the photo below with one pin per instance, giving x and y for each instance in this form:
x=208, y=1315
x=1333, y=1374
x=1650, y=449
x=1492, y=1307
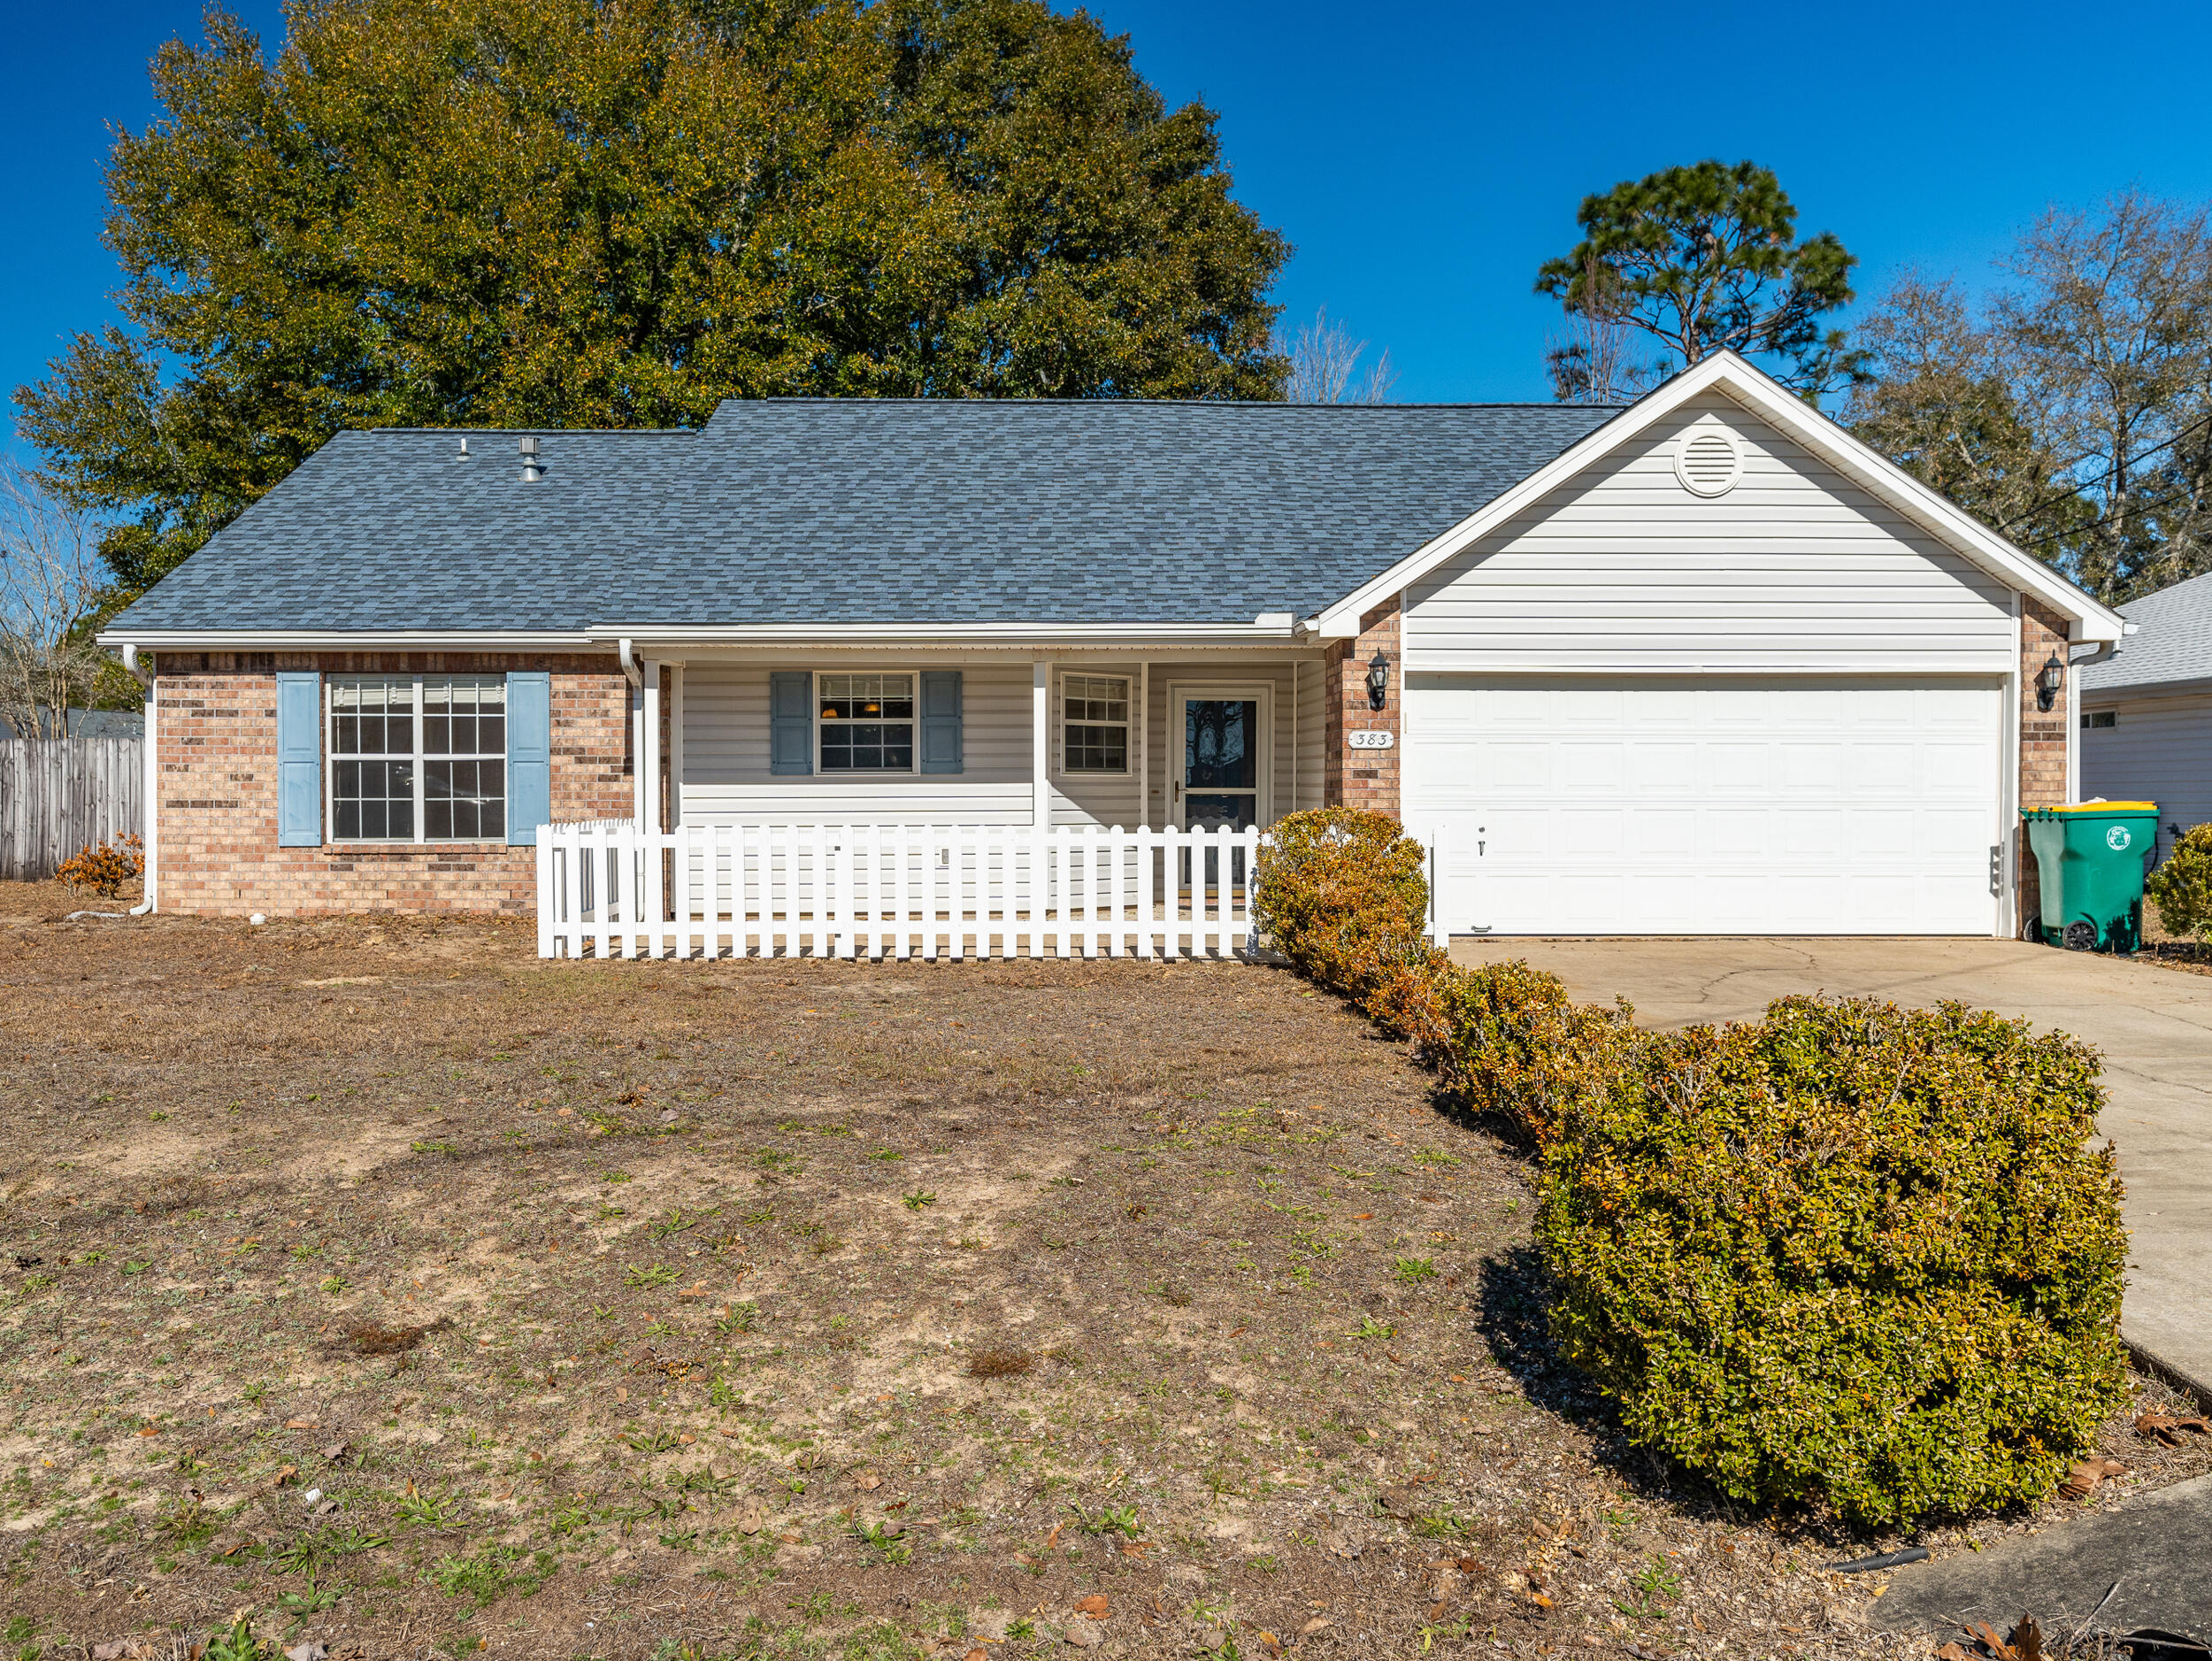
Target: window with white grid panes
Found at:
x=1094, y=723
x=867, y=723
x=418, y=759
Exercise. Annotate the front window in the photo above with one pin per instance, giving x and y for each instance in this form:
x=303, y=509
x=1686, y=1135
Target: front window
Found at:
x=867, y=723
x=419, y=758
x=1094, y=723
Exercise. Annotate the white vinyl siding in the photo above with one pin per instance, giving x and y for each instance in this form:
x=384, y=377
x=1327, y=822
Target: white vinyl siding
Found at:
x=1795, y=570
x=2158, y=750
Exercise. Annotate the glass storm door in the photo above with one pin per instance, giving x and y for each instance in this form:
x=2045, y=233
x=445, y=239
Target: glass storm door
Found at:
x=1221, y=763
x=1221, y=773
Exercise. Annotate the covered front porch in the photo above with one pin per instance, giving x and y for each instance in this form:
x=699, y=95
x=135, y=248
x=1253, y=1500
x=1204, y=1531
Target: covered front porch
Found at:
x=935, y=803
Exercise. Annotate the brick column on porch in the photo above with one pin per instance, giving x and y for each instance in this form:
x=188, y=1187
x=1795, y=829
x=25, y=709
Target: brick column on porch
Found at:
x=1366, y=779
x=2043, y=740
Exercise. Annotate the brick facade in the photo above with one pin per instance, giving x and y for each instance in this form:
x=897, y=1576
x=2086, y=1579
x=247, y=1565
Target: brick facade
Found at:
x=1365, y=778
x=217, y=854
x=2044, y=737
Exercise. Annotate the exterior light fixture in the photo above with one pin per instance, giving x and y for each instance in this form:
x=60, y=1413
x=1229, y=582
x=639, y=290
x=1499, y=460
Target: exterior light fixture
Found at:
x=1378, y=680
x=2049, y=682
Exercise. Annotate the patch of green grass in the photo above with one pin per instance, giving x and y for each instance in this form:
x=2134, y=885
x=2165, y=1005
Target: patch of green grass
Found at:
x=648, y=1274
x=1369, y=1327
x=1413, y=1271
x=426, y=1510
x=886, y=1156
x=493, y=1573
x=886, y=1539
x=436, y=1145
x=919, y=1197
x=676, y=1221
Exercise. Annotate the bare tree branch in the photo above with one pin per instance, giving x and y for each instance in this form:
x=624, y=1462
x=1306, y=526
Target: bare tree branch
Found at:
x=1325, y=366
x=51, y=586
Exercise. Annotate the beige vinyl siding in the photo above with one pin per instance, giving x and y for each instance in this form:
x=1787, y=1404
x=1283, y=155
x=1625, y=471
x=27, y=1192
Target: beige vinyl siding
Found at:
x=726, y=778
x=1311, y=732
x=2159, y=750
x=1795, y=569
x=726, y=758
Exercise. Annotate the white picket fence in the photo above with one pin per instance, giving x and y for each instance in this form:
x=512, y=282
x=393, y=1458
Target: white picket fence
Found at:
x=878, y=891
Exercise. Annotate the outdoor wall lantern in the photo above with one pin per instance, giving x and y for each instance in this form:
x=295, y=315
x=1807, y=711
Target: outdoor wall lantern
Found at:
x=2047, y=683
x=1378, y=679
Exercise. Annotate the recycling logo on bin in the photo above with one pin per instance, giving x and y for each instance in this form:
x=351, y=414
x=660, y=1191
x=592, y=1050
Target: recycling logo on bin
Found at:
x=2117, y=838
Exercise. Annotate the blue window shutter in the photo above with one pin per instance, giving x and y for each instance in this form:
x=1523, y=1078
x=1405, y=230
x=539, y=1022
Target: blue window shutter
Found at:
x=940, y=721
x=529, y=755
x=791, y=721
x=299, y=759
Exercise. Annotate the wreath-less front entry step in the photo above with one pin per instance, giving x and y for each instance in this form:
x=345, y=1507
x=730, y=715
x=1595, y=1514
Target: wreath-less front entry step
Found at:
x=2155, y=1548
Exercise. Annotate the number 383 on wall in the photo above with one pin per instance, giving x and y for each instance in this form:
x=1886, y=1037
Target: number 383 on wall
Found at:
x=1372, y=738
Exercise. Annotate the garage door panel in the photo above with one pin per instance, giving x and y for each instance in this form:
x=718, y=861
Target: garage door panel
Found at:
x=1722, y=806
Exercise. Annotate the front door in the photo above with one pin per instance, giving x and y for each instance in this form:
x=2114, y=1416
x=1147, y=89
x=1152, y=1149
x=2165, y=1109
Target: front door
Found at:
x=1221, y=764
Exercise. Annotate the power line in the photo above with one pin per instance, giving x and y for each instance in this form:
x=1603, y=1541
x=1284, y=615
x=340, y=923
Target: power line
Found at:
x=2077, y=530
x=2128, y=465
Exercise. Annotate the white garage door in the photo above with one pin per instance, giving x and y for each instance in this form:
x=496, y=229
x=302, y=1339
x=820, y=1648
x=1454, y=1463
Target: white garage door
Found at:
x=1674, y=806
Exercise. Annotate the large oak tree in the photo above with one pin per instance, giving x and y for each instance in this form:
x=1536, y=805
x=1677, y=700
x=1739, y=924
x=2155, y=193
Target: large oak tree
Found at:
x=616, y=212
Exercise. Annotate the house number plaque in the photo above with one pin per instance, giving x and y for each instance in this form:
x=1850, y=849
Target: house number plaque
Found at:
x=1373, y=738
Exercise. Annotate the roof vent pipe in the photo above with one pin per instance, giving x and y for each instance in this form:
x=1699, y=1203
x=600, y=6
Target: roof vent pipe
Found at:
x=532, y=469
x=464, y=456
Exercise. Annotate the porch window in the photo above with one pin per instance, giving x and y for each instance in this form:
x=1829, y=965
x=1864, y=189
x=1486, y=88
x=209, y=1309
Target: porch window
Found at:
x=418, y=759
x=867, y=723
x=1094, y=723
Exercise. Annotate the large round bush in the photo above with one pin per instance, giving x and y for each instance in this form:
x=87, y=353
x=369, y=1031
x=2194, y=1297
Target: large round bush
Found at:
x=1850, y=1255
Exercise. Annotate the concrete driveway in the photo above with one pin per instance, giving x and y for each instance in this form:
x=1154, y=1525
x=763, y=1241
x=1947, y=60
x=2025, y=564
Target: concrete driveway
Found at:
x=2154, y=1027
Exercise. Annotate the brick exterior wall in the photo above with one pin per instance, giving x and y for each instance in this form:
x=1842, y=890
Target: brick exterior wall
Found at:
x=2043, y=741
x=1366, y=779
x=216, y=793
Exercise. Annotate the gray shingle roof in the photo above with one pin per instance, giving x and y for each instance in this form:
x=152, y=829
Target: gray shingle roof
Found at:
x=864, y=510
x=2173, y=644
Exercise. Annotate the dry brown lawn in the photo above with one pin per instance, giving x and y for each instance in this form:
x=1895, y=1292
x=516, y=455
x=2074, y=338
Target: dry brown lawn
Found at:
x=411, y=1296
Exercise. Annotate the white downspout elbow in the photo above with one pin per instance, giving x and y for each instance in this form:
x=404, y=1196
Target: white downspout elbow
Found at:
x=629, y=663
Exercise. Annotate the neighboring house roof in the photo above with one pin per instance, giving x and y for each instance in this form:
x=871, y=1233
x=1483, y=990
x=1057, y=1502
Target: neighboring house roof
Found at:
x=860, y=511
x=88, y=724
x=2171, y=645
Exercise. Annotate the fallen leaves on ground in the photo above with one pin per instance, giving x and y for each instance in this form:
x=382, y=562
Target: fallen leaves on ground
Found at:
x=2085, y=1477
x=2167, y=1427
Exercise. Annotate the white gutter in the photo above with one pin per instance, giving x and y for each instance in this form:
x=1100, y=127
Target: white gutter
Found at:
x=357, y=639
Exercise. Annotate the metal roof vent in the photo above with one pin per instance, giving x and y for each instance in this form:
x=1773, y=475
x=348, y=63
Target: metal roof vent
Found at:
x=532, y=468
x=463, y=455
x=1707, y=461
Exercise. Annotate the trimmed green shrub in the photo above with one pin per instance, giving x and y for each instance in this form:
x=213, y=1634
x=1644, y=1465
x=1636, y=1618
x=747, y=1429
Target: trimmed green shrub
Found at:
x=1342, y=894
x=1510, y=1041
x=1850, y=1254
x=2181, y=887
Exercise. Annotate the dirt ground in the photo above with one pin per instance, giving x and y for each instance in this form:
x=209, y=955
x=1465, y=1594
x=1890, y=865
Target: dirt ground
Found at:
x=395, y=1290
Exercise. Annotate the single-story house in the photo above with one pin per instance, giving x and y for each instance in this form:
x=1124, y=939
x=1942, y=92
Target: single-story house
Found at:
x=1704, y=663
x=2147, y=710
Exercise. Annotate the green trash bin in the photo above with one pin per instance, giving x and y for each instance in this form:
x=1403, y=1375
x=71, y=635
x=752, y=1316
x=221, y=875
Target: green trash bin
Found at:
x=2090, y=858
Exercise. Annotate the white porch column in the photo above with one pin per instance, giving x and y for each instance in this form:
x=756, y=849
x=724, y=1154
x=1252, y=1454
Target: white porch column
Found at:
x=675, y=746
x=1041, y=743
x=649, y=817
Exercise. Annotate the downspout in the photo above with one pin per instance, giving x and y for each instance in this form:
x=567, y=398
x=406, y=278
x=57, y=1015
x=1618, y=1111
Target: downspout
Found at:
x=637, y=730
x=152, y=742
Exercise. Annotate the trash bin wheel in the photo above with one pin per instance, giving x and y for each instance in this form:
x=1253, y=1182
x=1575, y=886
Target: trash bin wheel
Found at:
x=2081, y=935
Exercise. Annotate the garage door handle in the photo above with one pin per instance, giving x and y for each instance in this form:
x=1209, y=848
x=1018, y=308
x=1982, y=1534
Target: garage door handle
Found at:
x=1479, y=845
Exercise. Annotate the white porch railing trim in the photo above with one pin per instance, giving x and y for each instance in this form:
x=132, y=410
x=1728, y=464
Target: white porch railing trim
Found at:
x=929, y=891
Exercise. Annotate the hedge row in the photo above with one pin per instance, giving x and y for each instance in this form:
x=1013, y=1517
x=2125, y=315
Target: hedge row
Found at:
x=1850, y=1254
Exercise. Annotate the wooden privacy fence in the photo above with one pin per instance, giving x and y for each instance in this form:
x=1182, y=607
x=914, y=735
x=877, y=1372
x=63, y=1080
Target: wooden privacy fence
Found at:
x=878, y=891
x=59, y=795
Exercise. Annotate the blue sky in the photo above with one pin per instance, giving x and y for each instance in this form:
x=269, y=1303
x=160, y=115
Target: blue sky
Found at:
x=1425, y=159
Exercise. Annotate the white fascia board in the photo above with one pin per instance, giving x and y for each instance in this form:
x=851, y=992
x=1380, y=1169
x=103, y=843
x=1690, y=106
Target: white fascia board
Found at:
x=352, y=640
x=2088, y=619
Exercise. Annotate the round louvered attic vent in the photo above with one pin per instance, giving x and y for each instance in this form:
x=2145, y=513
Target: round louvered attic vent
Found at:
x=1708, y=462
